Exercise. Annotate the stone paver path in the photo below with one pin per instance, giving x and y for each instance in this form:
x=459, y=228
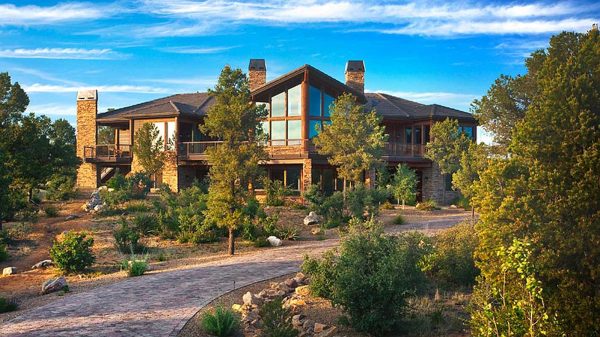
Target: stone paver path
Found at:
x=160, y=304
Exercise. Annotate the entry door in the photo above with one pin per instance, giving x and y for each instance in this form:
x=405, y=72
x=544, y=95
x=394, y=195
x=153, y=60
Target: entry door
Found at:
x=419, y=185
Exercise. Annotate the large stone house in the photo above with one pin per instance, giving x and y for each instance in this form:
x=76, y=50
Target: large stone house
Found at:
x=297, y=102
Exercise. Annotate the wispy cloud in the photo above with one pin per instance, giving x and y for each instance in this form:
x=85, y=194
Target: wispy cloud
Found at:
x=32, y=15
x=62, y=53
x=44, y=75
x=37, y=87
x=196, y=50
x=412, y=18
x=53, y=109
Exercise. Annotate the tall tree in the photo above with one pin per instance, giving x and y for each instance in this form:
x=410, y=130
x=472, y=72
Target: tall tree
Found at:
x=354, y=141
x=545, y=194
x=472, y=162
x=236, y=121
x=149, y=149
x=447, y=145
x=404, y=184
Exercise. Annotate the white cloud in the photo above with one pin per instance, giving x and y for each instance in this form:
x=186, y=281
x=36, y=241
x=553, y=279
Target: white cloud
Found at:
x=61, y=53
x=32, y=15
x=53, y=109
x=37, y=87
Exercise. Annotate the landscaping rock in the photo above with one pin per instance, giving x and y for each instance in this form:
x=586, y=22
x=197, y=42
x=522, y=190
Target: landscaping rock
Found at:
x=98, y=208
x=297, y=320
x=55, y=284
x=308, y=325
x=291, y=283
x=319, y=327
x=312, y=219
x=42, y=264
x=303, y=291
x=236, y=307
x=251, y=299
x=9, y=271
x=94, y=201
x=274, y=241
x=317, y=231
x=300, y=279
x=327, y=332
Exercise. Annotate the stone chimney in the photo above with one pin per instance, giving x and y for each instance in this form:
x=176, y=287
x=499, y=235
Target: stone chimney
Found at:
x=355, y=75
x=257, y=73
x=87, y=109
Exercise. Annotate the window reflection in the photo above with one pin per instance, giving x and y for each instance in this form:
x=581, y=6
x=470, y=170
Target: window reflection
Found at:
x=294, y=132
x=314, y=102
x=277, y=132
x=294, y=101
x=327, y=105
x=278, y=105
x=313, y=128
x=408, y=135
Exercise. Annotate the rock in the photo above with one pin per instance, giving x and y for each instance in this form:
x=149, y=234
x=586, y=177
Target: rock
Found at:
x=42, y=264
x=300, y=279
x=327, y=332
x=274, y=241
x=55, y=284
x=236, y=307
x=71, y=217
x=297, y=320
x=308, y=325
x=453, y=207
x=98, y=208
x=94, y=201
x=296, y=302
x=291, y=283
x=319, y=327
x=317, y=231
x=312, y=219
x=9, y=271
x=251, y=299
x=303, y=290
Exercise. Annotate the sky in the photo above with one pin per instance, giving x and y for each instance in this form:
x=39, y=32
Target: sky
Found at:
x=444, y=52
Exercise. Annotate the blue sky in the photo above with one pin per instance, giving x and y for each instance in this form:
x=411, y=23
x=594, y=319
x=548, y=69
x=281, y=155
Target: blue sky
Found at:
x=136, y=50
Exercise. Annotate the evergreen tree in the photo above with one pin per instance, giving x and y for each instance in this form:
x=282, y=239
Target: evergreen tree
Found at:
x=447, y=145
x=235, y=120
x=544, y=198
x=354, y=141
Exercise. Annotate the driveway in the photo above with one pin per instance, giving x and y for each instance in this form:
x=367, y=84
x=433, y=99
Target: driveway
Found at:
x=160, y=304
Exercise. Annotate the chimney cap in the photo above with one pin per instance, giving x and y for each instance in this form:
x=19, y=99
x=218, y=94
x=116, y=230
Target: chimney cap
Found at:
x=87, y=95
x=257, y=64
x=355, y=66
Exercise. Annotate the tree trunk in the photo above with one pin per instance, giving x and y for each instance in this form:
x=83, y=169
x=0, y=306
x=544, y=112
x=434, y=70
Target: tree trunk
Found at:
x=231, y=248
x=472, y=213
x=402, y=204
x=344, y=189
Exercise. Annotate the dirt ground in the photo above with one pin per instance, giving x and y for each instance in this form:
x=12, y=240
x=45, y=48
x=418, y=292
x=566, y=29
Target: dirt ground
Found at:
x=163, y=255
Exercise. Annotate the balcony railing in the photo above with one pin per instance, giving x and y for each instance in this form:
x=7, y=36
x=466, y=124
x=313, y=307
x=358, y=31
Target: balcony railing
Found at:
x=393, y=149
x=107, y=152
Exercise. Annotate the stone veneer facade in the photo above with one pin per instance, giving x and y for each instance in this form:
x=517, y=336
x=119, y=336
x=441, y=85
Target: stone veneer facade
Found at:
x=87, y=109
x=434, y=186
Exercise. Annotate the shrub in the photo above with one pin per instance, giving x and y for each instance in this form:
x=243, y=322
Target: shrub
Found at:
x=451, y=261
x=260, y=242
x=7, y=305
x=134, y=267
x=51, y=211
x=139, y=185
x=427, y=205
x=221, y=322
x=275, y=192
x=124, y=189
x=60, y=187
x=372, y=276
x=138, y=206
x=117, y=182
x=288, y=233
x=332, y=209
x=363, y=202
x=387, y=205
x=146, y=223
x=277, y=321
x=3, y=253
x=399, y=220
x=126, y=238
x=73, y=253
x=314, y=197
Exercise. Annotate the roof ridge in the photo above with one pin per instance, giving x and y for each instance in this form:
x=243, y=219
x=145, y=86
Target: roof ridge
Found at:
x=206, y=99
x=392, y=103
x=150, y=105
x=175, y=106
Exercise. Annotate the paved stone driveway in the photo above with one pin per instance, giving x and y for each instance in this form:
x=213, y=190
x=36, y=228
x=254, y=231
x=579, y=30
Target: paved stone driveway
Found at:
x=160, y=304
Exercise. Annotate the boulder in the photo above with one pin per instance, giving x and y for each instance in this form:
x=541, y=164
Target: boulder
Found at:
x=55, y=284
x=98, y=208
x=297, y=320
x=251, y=299
x=42, y=264
x=274, y=241
x=291, y=283
x=94, y=201
x=236, y=307
x=312, y=219
x=9, y=271
x=300, y=279
x=303, y=291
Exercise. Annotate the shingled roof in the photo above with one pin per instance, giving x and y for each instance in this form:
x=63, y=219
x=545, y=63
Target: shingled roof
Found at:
x=192, y=105
x=393, y=107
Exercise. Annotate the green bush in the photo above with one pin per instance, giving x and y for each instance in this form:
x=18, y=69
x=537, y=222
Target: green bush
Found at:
x=146, y=224
x=363, y=202
x=134, y=266
x=386, y=205
x=277, y=321
x=73, y=253
x=427, y=205
x=275, y=192
x=221, y=322
x=332, y=210
x=451, y=261
x=7, y=306
x=139, y=185
x=60, y=187
x=51, y=211
x=124, y=189
x=399, y=220
x=117, y=182
x=126, y=238
x=260, y=242
x=138, y=207
x=3, y=253
x=372, y=276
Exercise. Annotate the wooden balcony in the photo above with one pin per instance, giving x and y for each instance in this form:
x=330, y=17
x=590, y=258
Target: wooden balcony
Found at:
x=394, y=150
x=107, y=153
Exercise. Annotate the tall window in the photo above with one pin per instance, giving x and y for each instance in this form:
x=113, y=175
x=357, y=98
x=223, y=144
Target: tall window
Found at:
x=294, y=135
x=327, y=107
x=314, y=97
x=313, y=128
x=467, y=130
x=277, y=132
x=278, y=105
x=408, y=135
x=294, y=101
x=418, y=135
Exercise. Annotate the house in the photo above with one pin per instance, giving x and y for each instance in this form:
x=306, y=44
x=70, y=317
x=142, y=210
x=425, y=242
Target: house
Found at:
x=298, y=102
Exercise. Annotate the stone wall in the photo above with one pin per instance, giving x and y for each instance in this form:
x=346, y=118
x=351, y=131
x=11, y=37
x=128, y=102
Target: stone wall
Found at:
x=306, y=174
x=87, y=108
x=282, y=151
x=257, y=78
x=170, y=171
x=434, y=185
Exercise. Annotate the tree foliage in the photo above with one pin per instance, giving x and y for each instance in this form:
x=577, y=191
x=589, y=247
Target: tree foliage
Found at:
x=545, y=194
x=404, y=184
x=235, y=120
x=355, y=139
x=447, y=145
x=149, y=149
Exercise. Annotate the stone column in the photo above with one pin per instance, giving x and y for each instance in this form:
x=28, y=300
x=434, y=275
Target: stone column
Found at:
x=87, y=109
x=170, y=172
x=306, y=174
x=257, y=73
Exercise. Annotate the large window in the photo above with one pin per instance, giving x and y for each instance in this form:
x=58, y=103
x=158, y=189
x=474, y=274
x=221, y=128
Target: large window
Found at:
x=408, y=135
x=294, y=101
x=313, y=128
x=288, y=175
x=314, y=96
x=327, y=105
x=278, y=105
x=278, y=132
x=467, y=130
x=294, y=132
x=418, y=135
